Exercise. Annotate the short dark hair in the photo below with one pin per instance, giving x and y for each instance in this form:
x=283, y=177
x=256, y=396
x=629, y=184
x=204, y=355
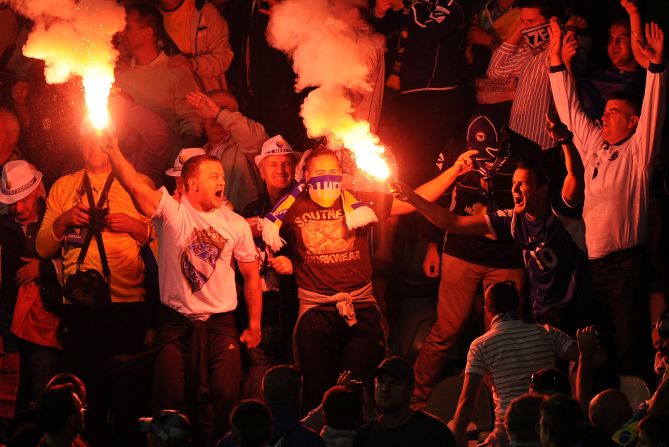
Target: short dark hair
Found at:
x=620, y=21
x=55, y=405
x=502, y=297
x=282, y=385
x=251, y=423
x=547, y=8
x=342, y=407
x=191, y=168
x=655, y=427
x=563, y=420
x=149, y=17
x=535, y=165
x=628, y=98
x=522, y=417
x=65, y=378
x=315, y=153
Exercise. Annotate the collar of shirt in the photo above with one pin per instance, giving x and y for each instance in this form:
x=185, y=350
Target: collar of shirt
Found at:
x=161, y=58
x=504, y=317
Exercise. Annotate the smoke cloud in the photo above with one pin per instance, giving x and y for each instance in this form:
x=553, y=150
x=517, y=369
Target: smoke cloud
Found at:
x=333, y=49
x=74, y=38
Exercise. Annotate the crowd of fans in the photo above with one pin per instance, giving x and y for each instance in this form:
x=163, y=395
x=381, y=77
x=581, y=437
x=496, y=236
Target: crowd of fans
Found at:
x=202, y=260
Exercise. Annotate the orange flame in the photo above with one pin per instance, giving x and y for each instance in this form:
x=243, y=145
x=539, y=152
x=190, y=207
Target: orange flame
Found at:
x=327, y=112
x=75, y=39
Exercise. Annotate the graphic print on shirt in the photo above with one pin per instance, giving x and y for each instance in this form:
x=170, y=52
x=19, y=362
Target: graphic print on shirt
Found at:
x=199, y=256
x=326, y=238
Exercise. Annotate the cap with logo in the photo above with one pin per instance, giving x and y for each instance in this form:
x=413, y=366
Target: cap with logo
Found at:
x=184, y=154
x=18, y=180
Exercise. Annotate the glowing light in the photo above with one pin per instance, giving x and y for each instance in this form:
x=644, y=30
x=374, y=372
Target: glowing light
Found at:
x=366, y=148
x=97, y=84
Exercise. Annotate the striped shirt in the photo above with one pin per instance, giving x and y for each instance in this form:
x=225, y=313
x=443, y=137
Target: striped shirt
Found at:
x=533, y=93
x=510, y=352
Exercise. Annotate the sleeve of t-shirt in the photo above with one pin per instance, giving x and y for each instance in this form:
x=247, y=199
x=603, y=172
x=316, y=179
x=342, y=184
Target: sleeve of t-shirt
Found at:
x=167, y=207
x=475, y=361
x=561, y=341
x=499, y=223
x=563, y=209
x=245, y=249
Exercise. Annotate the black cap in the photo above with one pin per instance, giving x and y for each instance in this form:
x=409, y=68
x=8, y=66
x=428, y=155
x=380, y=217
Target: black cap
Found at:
x=396, y=367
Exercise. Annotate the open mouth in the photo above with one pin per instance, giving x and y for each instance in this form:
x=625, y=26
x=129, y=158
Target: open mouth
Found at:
x=518, y=200
x=219, y=194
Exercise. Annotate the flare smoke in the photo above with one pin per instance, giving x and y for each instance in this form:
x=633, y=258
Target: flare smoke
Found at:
x=74, y=38
x=332, y=49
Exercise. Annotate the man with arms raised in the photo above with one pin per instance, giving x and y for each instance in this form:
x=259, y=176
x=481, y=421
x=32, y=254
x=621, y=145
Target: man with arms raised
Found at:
x=197, y=240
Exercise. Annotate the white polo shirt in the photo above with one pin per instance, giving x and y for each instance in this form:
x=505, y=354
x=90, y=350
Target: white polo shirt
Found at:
x=195, y=253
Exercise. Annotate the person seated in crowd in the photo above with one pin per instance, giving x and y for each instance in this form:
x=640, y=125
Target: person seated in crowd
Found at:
x=169, y=428
x=150, y=80
x=549, y=228
x=233, y=139
x=562, y=423
x=609, y=410
x=91, y=336
x=618, y=159
x=398, y=424
x=200, y=36
x=509, y=363
x=175, y=170
x=342, y=414
x=327, y=229
x=624, y=73
x=282, y=389
x=29, y=287
x=654, y=431
x=251, y=424
x=521, y=421
x=60, y=413
x=276, y=164
x=198, y=239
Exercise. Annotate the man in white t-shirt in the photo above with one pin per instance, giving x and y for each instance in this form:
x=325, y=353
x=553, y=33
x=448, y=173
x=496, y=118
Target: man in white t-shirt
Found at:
x=198, y=239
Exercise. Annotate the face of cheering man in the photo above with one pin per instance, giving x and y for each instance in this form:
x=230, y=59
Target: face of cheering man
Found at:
x=93, y=152
x=205, y=188
x=619, y=47
x=528, y=196
x=326, y=193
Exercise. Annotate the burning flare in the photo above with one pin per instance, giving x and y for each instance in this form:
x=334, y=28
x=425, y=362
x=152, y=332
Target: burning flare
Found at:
x=333, y=49
x=75, y=38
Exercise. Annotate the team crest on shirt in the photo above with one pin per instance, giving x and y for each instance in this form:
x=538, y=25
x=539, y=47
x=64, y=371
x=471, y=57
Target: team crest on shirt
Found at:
x=199, y=256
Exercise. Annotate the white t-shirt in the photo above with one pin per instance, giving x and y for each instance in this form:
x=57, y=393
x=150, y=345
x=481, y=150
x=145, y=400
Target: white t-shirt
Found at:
x=195, y=250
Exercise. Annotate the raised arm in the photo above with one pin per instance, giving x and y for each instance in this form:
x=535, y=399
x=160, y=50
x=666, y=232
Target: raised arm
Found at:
x=636, y=32
x=566, y=99
x=441, y=217
x=145, y=198
x=433, y=189
x=654, y=100
x=573, y=187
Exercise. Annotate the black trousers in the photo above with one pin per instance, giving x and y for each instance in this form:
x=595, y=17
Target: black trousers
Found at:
x=197, y=368
x=326, y=345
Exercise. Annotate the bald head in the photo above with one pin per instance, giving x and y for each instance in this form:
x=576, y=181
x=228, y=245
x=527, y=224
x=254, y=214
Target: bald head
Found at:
x=609, y=410
x=9, y=134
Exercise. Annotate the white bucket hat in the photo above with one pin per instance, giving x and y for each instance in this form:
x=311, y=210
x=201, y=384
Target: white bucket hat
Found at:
x=18, y=180
x=276, y=146
x=184, y=154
